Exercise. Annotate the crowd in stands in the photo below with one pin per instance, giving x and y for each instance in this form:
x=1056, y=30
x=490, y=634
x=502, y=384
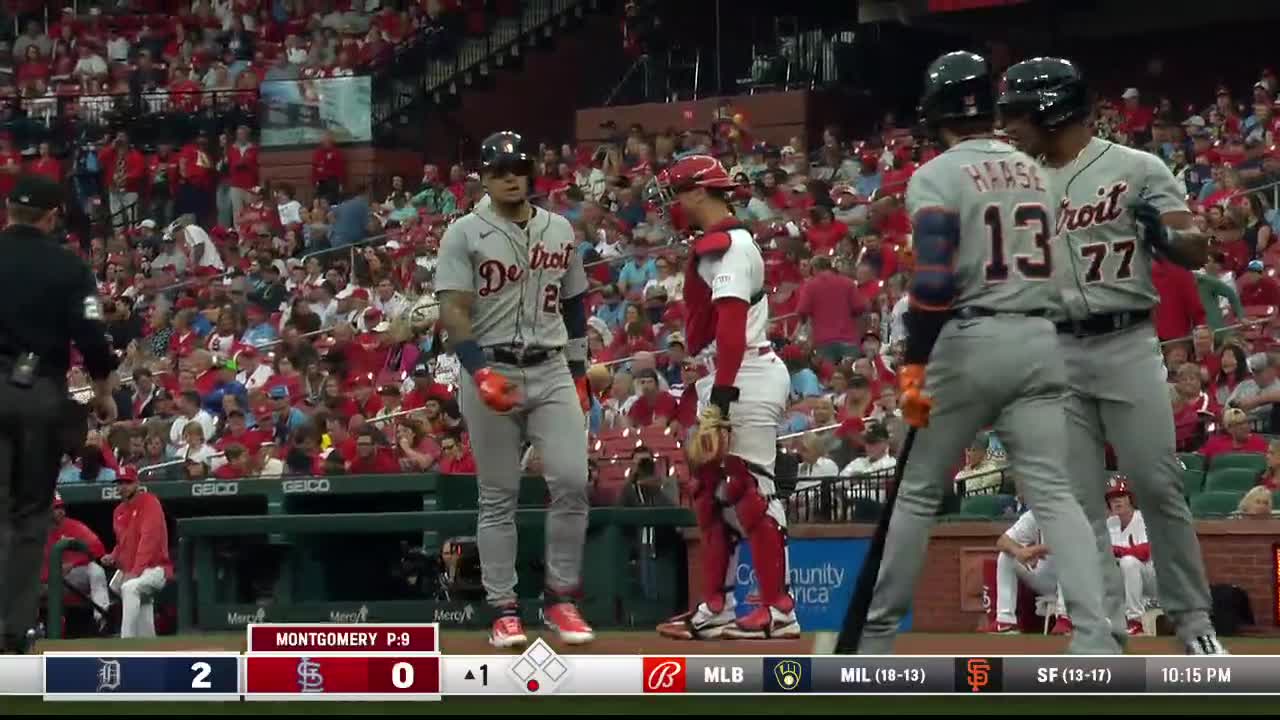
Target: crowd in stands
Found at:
x=261, y=335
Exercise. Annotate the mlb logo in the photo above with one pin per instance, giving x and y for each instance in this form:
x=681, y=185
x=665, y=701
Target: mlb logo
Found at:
x=970, y=104
x=664, y=675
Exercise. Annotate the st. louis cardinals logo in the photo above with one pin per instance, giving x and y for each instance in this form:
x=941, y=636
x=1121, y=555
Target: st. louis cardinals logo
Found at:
x=495, y=274
x=1105, y=210
x=664, y=675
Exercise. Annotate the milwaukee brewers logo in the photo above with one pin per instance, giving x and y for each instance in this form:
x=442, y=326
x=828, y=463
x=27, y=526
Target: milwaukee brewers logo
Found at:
x=788, y=674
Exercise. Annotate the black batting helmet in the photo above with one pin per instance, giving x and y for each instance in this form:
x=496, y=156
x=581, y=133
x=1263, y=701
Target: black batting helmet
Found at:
x=957, y=86
x=504, y=151
x=1051, y=89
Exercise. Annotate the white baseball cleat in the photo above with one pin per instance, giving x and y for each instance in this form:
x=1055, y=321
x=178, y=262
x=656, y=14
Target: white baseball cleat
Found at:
x=701, y=623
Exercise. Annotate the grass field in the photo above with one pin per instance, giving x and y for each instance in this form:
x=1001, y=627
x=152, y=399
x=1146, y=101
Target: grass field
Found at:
x=645, y=643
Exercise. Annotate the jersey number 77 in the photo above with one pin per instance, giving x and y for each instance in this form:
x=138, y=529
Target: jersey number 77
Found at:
x=1026, y=218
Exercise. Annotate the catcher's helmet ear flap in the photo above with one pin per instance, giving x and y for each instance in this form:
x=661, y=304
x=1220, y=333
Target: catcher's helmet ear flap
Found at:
x=957, y=86
x=1052, y=90
x=504, y=151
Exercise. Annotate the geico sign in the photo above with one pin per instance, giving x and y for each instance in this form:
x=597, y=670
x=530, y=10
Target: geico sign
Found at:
x=206, y=489
x=308, y=485
x=112, y=492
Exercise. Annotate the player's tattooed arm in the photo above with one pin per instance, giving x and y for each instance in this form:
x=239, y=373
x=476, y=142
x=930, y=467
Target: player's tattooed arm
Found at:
x=1186, y=246
x=574, y=311
x=936, y=233
x=455, y=315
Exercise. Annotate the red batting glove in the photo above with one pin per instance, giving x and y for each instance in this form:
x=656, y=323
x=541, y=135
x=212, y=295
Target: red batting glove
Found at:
x=584, y=394
x=495, y=390
x=914, y=403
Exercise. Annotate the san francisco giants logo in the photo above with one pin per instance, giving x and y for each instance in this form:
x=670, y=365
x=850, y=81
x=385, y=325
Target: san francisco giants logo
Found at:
x=664, y=675
x=978, y=674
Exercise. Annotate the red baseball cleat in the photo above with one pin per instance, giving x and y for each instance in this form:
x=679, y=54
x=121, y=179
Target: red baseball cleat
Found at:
x=1135, y=627
x=1062, y=626
x=1004, y=628
x=765, y=623
x=565, y=619
x=508, y=632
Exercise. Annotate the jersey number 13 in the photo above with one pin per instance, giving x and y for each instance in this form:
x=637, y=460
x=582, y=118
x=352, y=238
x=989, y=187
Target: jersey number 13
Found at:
x=1028, y=217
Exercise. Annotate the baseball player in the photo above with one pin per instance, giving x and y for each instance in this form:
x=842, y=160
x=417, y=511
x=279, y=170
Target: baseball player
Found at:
x=511, y=291
x=981, y=351
x=78, y=569
x=141, y=556
x=740, y=402
x=1117, y=207
x=1023, y=557
x=1132, y=551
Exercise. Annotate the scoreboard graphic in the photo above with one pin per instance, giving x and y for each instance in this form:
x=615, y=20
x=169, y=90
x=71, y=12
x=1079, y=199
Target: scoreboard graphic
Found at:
x=403, y=662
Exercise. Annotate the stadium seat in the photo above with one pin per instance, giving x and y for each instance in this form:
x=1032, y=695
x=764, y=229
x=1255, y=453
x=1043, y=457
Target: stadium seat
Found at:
x=1192, y=461
x=1257, y=462
x=991, y=507
x=1232, y=479
x=1210, y=505
x=1192, y=482
x=613, y=477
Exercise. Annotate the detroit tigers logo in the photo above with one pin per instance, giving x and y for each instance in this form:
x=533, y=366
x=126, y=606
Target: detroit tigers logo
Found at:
x=1105, y=210
x=495, y=274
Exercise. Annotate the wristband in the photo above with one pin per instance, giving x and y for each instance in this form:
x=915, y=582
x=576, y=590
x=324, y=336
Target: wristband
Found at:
x=470, y=355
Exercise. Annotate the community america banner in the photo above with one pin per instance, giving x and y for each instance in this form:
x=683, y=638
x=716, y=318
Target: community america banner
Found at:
x=822, y=574
x=299, y=112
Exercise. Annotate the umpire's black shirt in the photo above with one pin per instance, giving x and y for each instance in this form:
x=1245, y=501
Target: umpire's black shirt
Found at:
x=48, y=300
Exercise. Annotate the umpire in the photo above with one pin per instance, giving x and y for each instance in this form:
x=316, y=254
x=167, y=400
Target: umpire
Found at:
x=48, y=300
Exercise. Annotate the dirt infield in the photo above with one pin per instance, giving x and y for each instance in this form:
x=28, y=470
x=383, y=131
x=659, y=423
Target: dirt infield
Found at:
x=642, y=643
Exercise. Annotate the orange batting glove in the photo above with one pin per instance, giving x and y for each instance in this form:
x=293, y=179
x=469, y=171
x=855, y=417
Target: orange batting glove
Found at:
x=497, y=392
x=914, y=403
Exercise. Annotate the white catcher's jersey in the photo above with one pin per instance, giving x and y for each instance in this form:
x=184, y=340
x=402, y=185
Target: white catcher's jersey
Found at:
x=739, y=273
x=1135, y=533
x=1006, y=223
x=518, y=275
x=1025, y=531
x=1100, y=263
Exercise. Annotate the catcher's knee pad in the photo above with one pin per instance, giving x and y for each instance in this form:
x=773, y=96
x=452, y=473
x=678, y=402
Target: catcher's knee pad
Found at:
x=742, y=493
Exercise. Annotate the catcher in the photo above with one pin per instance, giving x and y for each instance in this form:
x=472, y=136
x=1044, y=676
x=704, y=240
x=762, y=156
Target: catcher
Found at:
x=741, y=402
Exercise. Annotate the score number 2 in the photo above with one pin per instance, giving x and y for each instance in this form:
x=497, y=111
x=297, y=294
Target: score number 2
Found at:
x=200, y=680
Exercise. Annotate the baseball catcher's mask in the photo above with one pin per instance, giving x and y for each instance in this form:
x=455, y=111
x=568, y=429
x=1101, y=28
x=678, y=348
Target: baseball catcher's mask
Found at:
x=685, y=174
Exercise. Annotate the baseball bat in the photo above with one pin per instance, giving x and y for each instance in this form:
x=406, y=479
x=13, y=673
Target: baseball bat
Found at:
x=855, y=616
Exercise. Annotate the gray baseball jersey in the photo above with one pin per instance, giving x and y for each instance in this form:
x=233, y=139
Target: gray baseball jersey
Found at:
x=1103, y=265
x=519, y=275
x=1006, y=223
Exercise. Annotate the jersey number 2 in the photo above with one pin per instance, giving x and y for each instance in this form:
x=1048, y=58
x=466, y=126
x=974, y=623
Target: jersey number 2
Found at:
x=551, y=299
x=1028, y=216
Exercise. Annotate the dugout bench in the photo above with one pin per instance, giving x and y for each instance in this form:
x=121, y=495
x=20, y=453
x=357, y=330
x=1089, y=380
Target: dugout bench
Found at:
x=609, y=599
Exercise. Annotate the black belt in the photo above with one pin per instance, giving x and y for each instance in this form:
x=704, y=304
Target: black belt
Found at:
x=969, y=312
x=1104, y=323
x=521, y=357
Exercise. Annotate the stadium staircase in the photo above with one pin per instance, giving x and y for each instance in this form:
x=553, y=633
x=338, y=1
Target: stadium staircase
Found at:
x=440, y=79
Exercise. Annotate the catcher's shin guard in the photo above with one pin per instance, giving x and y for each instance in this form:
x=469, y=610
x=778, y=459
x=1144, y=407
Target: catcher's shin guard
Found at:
x=718, y=542
x=763, y=529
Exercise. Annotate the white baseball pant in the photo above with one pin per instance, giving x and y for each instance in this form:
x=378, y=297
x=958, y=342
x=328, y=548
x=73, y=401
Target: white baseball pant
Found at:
x=91, y=580
x=1139, y=584
x=1043, y=579
x=137, y=616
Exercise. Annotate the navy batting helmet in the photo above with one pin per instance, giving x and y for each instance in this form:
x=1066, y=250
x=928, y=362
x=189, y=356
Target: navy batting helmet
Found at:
x=957, y=86
x=504, y=151
x=1051, y=90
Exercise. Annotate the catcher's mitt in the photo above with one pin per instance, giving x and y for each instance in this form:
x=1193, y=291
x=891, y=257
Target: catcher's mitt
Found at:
x=710, y=439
